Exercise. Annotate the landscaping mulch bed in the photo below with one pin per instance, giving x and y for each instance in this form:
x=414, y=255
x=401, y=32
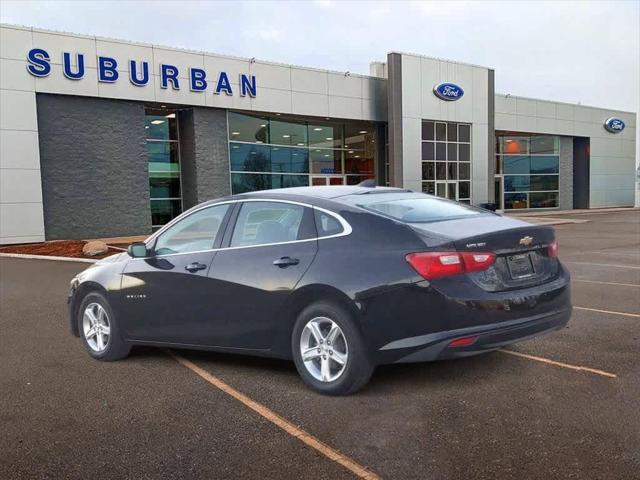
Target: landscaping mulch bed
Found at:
x=60, y=248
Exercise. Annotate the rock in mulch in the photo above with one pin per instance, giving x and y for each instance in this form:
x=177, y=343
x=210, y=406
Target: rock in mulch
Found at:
x=94, y=248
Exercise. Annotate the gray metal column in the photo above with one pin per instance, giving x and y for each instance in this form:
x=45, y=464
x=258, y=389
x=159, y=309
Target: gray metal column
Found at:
x=394, y=115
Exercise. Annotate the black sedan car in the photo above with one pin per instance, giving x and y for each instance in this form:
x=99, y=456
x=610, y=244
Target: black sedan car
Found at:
x=339, y=279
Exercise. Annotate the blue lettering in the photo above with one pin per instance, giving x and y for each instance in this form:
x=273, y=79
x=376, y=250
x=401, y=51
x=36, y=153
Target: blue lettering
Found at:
x=169, y=72
x=107, y=69
x=133, y=73
x=39, y=65
x=66, y=66
x=198, y=82
x=247, y=85
x=223, y=84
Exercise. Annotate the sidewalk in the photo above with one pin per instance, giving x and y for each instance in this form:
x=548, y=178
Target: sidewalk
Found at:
x=583, y=211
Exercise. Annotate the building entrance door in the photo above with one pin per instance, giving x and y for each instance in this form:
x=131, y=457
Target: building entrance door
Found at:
x=324, y=180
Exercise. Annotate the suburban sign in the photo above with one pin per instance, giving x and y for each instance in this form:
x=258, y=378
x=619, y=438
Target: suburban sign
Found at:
x=448, y=91
x=73, y=68
x=614, y=125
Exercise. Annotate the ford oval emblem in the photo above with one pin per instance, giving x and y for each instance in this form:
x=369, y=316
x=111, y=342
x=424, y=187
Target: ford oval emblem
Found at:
x=614, y=125
x=448, y=91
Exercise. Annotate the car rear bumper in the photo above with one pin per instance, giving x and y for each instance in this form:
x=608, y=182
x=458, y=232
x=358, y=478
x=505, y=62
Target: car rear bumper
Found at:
x=436, y=346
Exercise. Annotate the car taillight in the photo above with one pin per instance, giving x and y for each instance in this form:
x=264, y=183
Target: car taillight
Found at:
x=444, y=264
x=553, y=249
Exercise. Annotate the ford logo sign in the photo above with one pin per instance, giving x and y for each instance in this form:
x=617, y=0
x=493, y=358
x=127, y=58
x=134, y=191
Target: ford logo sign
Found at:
x=448, y=91
x=614, y=125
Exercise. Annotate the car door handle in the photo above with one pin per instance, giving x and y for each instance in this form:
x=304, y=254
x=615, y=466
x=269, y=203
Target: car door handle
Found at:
x=286, y=262
x=195, y=266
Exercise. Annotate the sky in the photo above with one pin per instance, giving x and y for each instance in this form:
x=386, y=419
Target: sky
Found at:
x=581, y=52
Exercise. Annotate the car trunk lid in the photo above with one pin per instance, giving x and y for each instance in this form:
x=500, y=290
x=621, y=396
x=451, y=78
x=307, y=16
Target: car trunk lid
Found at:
x=522, y=249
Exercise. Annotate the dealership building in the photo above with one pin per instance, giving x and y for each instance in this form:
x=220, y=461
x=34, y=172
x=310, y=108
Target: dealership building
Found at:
x=103, y=138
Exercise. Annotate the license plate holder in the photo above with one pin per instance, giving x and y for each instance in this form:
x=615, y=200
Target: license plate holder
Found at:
x=520, y=266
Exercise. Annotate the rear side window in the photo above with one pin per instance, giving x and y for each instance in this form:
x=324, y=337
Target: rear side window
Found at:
x=262, y=223
x=327, y=224
x=414, y=207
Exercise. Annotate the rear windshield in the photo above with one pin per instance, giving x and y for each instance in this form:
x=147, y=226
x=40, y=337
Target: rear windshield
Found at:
x=413, y=207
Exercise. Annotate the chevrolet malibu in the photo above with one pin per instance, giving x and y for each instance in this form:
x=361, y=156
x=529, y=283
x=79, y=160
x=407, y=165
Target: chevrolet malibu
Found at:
x=337, y=279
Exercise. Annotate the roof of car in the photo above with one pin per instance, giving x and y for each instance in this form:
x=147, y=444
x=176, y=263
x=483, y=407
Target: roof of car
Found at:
x=328, y=192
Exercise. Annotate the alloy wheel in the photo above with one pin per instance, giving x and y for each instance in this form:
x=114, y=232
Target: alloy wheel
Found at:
x=96, y=327
x=323, y=348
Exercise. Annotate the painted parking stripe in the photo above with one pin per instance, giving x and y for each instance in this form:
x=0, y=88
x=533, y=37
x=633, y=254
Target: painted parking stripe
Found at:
x=573, y=279
x=270, y=415
x=624, y=314
x=560, y=364
x=614, y=265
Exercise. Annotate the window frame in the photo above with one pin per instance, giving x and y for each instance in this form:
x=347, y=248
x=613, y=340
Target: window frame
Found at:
x=230, y=221
x=217, y=240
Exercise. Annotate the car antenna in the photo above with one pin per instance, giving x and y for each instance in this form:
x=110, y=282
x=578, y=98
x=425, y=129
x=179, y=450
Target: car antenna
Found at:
x=369, y=183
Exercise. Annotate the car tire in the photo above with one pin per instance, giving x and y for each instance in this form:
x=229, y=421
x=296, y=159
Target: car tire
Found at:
x=104, y=342
x=348, y=345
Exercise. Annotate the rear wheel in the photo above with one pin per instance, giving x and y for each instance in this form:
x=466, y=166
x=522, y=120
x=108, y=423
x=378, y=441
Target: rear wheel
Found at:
x=328, y=350
x=99, y=329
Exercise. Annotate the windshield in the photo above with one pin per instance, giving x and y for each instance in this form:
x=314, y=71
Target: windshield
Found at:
x=413, y=207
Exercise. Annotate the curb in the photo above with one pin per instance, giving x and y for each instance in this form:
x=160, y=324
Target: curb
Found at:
x=48, y=257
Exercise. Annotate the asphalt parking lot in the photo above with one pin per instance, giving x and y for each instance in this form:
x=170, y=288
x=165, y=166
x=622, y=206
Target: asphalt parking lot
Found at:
x=568, y=406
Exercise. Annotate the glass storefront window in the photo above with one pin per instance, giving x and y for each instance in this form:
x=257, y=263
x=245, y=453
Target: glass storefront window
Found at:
x=163, y=157
x=464, y=133
x=514, y=164
x=288, y=133
x=159, y=125
x=428, y=151
x=325, y=136
x=428, y=131
x=515, y=201
x=163, y=211
x=545, y=164
x=447, y=160
x=514, y=145
x=464, y=171
x=325, y=161
x=260, y=145
x=248, y=128
x=250, y=182
x=293, y=160
x=356, y=162
x=545, y=144
x=464, y=152
x=530, y=166
x=543, y=199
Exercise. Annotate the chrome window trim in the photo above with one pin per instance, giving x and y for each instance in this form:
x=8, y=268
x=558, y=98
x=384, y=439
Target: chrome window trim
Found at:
x=347, y=230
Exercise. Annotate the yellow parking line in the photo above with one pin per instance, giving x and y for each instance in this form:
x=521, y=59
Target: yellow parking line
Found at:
x=625, y=314
x=559, y=364
x=605, y=283
x=291, y=429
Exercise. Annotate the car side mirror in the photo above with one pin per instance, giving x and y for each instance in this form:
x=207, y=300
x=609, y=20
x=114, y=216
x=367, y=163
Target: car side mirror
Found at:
x=138, y=250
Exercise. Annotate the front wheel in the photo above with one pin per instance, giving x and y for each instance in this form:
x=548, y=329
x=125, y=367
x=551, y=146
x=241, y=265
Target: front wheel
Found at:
x=99, y=329
x=328, y=350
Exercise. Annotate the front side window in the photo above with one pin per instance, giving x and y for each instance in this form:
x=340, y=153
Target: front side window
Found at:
x=193, y=233
x=262, y=223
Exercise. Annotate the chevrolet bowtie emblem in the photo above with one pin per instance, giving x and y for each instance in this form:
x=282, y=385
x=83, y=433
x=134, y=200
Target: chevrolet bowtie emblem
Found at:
x=525, y=241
